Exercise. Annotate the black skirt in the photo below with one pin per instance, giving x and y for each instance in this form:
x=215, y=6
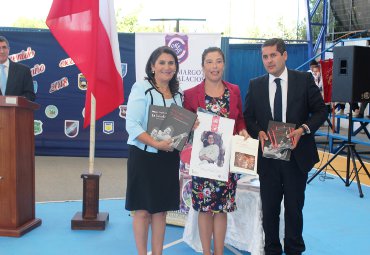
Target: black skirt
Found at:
x=152, y=181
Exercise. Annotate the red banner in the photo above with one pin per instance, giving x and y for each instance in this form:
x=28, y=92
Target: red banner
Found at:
x=327, y=78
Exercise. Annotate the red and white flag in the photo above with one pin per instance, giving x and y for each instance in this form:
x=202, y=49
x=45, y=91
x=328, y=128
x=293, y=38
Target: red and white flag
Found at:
x=86, y=30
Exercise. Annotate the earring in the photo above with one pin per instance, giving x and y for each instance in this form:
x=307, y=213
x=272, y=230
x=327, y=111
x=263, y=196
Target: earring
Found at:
x=153, y=72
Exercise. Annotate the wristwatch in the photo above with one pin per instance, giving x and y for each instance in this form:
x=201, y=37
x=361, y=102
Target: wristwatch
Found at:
x=305, y=128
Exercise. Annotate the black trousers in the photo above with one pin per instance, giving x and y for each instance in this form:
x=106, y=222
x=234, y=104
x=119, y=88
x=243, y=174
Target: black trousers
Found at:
x=283, y=179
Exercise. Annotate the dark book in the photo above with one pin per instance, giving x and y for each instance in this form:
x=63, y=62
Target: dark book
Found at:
x=278, y=146
x=156, y=116
x=173, y=123
x=177, y=126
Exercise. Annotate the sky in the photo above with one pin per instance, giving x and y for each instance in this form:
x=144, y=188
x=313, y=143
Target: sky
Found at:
x=236, y=16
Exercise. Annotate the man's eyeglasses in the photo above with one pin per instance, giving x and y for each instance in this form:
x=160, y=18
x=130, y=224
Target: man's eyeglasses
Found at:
x=3, y=47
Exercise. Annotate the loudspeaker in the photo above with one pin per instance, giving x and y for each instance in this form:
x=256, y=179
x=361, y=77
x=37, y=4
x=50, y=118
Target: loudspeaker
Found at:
x=351, y=74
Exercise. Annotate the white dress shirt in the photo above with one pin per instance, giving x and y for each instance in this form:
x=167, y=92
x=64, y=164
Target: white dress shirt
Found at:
x=284, y=91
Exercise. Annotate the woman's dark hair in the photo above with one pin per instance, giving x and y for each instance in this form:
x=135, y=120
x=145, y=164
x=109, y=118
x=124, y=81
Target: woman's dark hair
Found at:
x=206, y=134
x=280, y=44
x=209, y=50
x=174, y=83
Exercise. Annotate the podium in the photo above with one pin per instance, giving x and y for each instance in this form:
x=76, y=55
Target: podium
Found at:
x=17, y=166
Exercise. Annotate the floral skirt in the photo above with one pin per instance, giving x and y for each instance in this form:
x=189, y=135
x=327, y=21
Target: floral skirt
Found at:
x=214, y=196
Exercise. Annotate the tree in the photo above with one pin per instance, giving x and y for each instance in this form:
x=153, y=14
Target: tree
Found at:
x=29, y=23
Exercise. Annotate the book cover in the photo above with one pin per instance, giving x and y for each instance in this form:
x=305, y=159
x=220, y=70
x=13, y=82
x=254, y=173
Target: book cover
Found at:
x=244, y=155
x=177, y=126
x=278, y=146
x=157, y=114
x=210, y=154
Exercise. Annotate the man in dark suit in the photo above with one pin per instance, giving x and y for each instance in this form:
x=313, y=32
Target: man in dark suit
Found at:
x=15, y=78
x=300, y=103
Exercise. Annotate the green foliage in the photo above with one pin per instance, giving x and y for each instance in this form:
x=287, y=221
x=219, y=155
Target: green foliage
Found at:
x=29, y=23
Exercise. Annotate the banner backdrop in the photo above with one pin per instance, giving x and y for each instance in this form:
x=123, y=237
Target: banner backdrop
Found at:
x=60, y=87
x=188, y=47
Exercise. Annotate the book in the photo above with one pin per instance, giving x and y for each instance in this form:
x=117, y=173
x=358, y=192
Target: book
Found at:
x=244, y=155
x=177, y=126
x=156, y=116
x=210, y=154
x=173, y=123
x=278, y=146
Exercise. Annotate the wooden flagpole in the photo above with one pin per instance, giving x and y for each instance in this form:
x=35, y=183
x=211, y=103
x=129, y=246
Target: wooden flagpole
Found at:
x=90, y=218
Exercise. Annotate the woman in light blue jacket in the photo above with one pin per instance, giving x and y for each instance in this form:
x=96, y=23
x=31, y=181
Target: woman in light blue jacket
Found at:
x=152, y=169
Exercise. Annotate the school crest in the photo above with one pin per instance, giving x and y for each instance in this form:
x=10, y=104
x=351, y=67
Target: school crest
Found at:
x=179, y=43
x=123, y=69
x=82, y=82
x=51, y=111
x=122, y=111
x=35, y=86
x=108, y=127
x=71, y=128
x=37, y=127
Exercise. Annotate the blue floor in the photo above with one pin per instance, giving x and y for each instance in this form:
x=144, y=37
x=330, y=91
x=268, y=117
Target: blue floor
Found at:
x=337, y=222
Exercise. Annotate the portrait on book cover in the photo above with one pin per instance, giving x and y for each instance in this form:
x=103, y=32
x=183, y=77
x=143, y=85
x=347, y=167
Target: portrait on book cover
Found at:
x=210, y=156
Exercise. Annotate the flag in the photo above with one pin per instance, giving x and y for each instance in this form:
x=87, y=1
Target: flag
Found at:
x=327, y=78
x=86, y=30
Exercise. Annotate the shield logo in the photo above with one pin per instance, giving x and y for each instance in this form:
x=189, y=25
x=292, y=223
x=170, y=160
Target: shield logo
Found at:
x=122, y=111
x=82, y=82
x=108, y=127
x=71, y=128
x=35, y=86
x=37, y=126
x=179, y=43
x=124, y=69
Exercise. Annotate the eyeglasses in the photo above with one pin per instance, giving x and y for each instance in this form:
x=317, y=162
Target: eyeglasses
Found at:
x=3, y=47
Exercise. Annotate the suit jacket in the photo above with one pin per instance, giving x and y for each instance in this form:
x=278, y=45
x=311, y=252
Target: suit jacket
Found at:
x=304, y=106
x=19, y=81
x=195, y=97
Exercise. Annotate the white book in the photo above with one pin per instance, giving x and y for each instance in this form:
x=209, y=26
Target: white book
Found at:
x=244, y=155
x=210, y=156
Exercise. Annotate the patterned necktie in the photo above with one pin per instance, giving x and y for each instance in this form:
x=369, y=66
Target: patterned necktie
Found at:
x=278, y=102
x=2, y=79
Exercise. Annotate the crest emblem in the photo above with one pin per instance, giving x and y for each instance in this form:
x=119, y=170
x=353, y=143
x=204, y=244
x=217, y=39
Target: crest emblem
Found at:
x=124, y=69
x=108, y=127
x=179, y=43
x=122, y=111
x=37, y=127
x=82, y=82
x=71, y=128
x=35, y=86
x=51, y=111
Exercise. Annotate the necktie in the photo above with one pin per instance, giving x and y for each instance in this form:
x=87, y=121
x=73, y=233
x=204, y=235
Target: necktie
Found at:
x=278, y=102
x=2, y=79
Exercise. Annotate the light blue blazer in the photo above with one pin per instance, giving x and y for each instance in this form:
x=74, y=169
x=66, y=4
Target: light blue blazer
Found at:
x=142, y=95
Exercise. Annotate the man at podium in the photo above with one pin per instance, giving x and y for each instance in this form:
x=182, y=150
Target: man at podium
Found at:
x=15, y=78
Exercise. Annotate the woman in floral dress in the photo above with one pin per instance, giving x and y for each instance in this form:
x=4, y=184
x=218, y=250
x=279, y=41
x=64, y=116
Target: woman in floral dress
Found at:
x=213, y=199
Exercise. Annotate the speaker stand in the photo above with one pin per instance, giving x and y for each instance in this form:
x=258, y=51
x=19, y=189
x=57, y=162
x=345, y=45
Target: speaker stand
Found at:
x=351, y=154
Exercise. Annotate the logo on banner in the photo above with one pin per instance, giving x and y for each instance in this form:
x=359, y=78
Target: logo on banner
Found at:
x=71, y=128
x=82, y=82
x=83, y=112
x=66, y=62
x=23, y=55
x=108, y=127
x=37, y=69
x=122, y=111
x=37, y=126
x=179, y=43
x=58, y=85
x=35, y=86
x=51, y=111
x=124, y=69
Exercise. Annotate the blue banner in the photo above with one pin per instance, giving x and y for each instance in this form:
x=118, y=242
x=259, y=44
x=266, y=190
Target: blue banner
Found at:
x=60, y=91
